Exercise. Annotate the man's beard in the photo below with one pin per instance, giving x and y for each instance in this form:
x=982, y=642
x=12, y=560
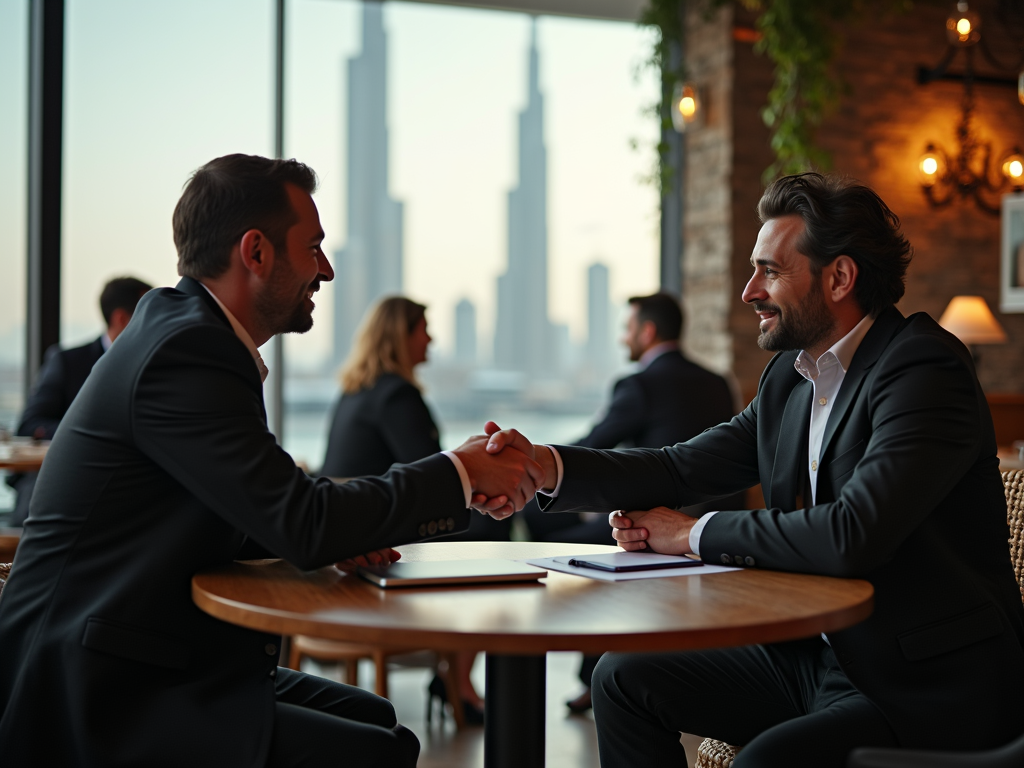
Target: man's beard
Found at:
x=279, y=307
x=802, y=327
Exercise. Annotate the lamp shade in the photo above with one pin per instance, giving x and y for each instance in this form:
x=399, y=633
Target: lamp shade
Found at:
x=970, y=320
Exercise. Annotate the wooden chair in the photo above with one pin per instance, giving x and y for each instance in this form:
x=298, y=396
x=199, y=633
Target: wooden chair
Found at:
x=718, y=754
x=350, y=653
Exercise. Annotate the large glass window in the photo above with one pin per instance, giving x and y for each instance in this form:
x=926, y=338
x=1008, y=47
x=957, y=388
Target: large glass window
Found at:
x=13, y=215
x=456, y=148
x=152, y=91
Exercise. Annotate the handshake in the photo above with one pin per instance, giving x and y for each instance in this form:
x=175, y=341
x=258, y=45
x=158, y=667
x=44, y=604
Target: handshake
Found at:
x=505, y=470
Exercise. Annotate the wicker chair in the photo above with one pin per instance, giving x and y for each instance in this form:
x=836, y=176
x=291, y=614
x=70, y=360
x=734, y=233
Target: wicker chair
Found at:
x=5, y=571
x=718, y=754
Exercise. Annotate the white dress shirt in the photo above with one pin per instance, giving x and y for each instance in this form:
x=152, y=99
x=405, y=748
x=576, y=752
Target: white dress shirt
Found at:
x=242, y=334
x=826, y=374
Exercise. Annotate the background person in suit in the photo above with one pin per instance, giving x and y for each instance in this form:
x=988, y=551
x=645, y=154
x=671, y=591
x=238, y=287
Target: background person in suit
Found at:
x=874, y=446
x=382, y=419
x=164, y=466
x=668, y=401
x=62, y=374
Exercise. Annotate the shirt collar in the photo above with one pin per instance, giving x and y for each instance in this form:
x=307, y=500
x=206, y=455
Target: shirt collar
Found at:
x=657, y=351
x=841, y=352
x=242, y=334
x=105, y=341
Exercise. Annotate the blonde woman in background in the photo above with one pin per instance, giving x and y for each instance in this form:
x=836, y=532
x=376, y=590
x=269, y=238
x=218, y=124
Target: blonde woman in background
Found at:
x=381, y=419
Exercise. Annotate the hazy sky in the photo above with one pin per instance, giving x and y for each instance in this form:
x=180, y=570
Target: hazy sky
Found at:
x=153, y=90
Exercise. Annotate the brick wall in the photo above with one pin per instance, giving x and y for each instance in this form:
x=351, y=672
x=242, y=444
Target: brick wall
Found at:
x=876, y=135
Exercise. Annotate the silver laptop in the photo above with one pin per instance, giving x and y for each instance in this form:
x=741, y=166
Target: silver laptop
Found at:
x=444, y=572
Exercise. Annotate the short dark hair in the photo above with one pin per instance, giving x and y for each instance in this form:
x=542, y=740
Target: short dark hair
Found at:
x=225, y=199
x=122, y=293
x=663, y=310
x=842, y=217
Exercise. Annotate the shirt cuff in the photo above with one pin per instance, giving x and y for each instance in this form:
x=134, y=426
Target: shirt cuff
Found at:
x=696, y=531
x=467, y=489
x=558, y=472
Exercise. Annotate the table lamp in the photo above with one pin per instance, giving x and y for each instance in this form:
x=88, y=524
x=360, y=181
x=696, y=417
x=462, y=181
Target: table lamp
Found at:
x=970, y=320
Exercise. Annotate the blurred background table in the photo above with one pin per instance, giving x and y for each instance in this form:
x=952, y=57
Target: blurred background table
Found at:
x=517, y=624
x=23, y=454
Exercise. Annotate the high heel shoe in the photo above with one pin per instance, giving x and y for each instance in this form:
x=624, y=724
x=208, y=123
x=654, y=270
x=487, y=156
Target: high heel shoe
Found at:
x=472, y=715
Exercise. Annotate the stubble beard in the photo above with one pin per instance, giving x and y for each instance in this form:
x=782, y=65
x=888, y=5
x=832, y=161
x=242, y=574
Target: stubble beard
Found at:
x=801, y=327
x=277, y=304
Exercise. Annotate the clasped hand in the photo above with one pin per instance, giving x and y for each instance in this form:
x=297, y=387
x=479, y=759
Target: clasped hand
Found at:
x=503, y=470
x=660, y=529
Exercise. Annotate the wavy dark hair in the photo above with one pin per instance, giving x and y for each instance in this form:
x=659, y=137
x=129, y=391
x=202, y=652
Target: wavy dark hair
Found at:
x=842, y=217
x=225, y=199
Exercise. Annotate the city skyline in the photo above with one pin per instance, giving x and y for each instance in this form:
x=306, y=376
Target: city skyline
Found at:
x=370, y=264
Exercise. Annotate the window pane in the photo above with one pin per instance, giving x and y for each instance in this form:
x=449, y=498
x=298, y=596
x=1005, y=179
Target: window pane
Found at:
x=152, y=91
x=13, y=215
x=456, y=144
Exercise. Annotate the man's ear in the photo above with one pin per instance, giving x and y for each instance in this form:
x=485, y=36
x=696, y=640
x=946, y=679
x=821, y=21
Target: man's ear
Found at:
x=257, y=253
x=648, y=333
x=842, y=277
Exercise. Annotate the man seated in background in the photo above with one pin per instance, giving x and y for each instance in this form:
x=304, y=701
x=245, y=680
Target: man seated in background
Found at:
x=667, y=401
x=164, y=466
x=63, y=373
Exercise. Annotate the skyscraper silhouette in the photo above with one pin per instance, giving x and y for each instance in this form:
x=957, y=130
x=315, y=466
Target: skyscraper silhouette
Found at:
x=599, y=329
x=370, y=264
x=522, y=339
x=465, y=331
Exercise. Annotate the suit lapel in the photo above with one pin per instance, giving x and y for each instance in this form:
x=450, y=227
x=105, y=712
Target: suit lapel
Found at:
x=791, y=449
x=867, y=354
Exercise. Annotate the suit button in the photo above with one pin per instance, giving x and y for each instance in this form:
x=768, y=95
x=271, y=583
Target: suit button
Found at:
x=738, y=559
x=273, y=673
x=726, y=559
x=432, y=528
x=749, y=561
x=441, y=524
x=271, y=649
x=423, y=529
x=451, y=523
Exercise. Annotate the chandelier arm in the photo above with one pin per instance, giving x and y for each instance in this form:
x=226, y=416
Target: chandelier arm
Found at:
x=925, y=75
x=983, y=204
x=940, y=202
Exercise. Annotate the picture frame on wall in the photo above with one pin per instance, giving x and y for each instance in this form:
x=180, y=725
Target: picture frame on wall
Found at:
x=1011, y=269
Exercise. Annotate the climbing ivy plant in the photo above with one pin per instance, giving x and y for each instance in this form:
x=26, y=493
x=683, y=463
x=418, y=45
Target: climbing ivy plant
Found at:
x=800, y=38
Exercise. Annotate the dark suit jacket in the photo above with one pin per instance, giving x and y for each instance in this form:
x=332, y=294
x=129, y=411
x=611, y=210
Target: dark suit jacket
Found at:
x=61, y=375
x=372, y=429
x=909, y=497
x=163, y=467
x=669, y=401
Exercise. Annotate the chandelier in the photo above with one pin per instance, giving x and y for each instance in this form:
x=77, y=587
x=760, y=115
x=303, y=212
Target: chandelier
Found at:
x=969, y=173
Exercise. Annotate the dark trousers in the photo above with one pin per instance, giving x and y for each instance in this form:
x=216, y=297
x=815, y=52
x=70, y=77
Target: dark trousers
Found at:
x=320, y=723
x=787, y=704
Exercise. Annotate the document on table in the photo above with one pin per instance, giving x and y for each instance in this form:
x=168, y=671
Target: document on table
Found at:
x=561, y=564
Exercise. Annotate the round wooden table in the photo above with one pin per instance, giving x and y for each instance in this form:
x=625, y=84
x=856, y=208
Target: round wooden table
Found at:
x=517, y=624
x=23, y=455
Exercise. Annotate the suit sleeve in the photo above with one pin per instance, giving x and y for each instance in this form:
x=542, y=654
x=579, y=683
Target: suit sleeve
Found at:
x=407, y=427
x=197, y=413
x=925, y=435
x=715, y=463
x=624, y=418
x=46, y=407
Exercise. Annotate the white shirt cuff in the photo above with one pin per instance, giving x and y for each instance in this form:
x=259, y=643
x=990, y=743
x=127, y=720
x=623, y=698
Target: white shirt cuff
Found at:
x=695, y=532
x=558, y=472
x=467, y=489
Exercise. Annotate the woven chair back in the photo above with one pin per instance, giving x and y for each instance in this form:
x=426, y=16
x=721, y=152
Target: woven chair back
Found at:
x=1013, y=487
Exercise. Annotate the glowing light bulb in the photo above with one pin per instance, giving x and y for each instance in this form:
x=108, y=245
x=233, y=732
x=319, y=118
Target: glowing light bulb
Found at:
x=1013, y=168
x=930, y=165
x=688, y=107
x=963, y=28
x=1016, y=169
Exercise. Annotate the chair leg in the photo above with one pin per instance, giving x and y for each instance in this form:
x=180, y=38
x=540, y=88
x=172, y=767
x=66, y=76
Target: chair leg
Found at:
x=380, y=661
x=451, y=682
x=352, y=671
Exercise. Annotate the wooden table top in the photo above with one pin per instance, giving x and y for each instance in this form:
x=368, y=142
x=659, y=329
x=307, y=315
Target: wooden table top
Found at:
x=22, y=455
x=562, y=612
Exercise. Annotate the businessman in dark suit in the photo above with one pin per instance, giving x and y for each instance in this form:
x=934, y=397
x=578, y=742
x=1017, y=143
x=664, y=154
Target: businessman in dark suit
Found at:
x=163, y=466
x=874, y=446
x=62, y=374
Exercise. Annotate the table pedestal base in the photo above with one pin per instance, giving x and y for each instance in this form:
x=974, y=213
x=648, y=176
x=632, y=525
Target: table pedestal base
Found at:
x=515, y=711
